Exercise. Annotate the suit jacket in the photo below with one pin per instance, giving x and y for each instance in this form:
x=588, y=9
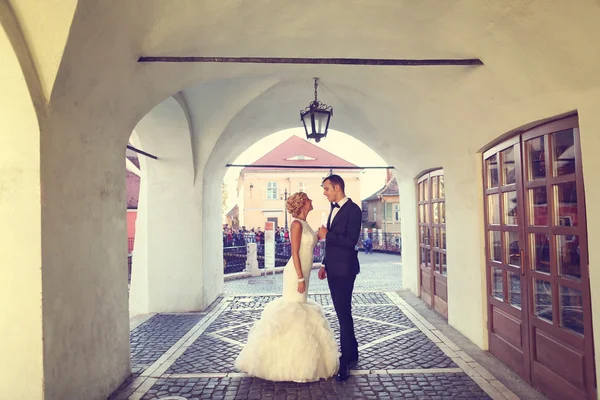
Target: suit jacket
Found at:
x=341, y=257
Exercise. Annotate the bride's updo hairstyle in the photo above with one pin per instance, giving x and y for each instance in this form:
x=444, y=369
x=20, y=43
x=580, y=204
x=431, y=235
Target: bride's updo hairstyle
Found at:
x=295, y=203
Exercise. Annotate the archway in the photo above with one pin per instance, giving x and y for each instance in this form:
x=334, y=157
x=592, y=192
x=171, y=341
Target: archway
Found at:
x=257, y=195
x=97, y=101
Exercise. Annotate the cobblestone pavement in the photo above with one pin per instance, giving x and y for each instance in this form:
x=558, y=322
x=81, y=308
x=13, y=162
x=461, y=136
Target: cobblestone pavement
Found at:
x=401, y=356
x=153, y=338
x=378, y=272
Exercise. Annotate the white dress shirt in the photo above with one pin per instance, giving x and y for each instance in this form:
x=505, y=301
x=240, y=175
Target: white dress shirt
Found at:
x=336, y=209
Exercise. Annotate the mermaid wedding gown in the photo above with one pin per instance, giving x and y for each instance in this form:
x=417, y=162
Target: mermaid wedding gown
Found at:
x=292, y=340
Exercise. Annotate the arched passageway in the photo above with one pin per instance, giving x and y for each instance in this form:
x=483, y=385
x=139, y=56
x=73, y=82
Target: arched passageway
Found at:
x=416, y=118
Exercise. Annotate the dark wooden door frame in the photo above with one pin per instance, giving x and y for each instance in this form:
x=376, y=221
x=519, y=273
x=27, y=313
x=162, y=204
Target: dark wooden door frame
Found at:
x=530, y=322
x=435, y=277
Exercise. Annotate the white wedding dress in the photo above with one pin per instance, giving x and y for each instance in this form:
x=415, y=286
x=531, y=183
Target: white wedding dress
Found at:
x=292, y=341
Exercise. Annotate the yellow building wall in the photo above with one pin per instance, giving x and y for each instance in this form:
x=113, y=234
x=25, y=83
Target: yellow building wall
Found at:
x=257, y=207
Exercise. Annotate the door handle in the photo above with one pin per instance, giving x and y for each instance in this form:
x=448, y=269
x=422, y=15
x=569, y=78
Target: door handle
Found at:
x=522, y=262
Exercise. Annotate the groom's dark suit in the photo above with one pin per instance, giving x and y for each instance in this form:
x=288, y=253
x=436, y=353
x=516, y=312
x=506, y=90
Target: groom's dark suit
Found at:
x=341, y=264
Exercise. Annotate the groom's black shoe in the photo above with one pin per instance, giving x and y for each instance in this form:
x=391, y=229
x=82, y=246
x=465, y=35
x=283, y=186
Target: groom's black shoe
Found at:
x=343, y=373
x=353, y=363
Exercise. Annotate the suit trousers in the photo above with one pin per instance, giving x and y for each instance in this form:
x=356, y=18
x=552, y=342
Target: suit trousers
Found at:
x=341, y=288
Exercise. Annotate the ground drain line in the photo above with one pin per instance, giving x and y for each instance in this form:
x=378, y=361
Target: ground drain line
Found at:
x=173, y=398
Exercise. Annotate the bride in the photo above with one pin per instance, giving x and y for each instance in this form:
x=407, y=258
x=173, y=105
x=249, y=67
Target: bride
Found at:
x=292, y=340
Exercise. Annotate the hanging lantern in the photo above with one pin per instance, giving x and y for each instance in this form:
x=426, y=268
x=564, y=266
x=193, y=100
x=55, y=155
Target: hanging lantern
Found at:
x=316, y=118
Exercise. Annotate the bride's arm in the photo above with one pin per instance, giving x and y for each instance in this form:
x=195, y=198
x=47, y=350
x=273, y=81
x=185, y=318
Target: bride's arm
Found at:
x=296, y=235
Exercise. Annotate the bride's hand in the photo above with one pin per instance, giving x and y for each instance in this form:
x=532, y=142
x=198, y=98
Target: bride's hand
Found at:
x=301, y=287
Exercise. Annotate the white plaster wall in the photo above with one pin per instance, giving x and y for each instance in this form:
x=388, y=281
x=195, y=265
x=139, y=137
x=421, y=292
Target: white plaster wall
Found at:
x=589, y=125
x=20, y=231
x=45, y=25
x=410, y=242
x=467, y=297
x=168, y=275
x=84, y=253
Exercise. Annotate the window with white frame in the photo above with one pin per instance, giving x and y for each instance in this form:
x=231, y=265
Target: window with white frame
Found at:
x=271, y=191
x=397, y=212
x=303, y=187
x=375, y=213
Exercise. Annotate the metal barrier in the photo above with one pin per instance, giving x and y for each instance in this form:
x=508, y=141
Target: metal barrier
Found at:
x=234, y=259
x=383, y=242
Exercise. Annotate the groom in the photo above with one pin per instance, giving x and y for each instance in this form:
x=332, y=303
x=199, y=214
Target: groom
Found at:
x=340, y=265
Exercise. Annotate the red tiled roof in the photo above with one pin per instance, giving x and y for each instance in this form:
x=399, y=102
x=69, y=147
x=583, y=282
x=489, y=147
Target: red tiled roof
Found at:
x=296, y=146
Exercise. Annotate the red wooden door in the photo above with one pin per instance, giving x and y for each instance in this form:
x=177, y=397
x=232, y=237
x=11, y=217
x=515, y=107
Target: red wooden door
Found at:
x=432, y=241
x=538, y=253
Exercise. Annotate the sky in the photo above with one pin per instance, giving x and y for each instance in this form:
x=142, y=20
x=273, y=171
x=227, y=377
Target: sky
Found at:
x=338, y=143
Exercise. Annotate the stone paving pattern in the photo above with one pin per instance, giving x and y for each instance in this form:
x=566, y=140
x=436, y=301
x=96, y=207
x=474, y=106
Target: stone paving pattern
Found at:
x=376, y=317
x=379, y=272
x=154, y=337
x=209, y=354
x=412, y=386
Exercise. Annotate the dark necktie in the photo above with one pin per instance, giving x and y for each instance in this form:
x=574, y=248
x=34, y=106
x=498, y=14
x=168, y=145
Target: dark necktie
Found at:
x=333, y=206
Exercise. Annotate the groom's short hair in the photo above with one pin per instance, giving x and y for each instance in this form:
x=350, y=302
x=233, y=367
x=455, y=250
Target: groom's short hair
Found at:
x=336, y=180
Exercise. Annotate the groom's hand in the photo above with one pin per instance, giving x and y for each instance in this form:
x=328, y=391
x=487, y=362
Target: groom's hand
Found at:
x=322, y=273
x=322, y=233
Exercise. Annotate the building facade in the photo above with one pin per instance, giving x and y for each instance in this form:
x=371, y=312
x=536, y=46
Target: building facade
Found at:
x=381, y=210
x=262, y=192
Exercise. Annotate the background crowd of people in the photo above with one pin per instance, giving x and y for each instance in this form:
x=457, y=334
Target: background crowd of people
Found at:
x=241, y=236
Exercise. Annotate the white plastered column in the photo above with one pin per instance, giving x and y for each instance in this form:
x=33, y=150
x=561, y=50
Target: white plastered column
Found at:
x=167, y=260
x=410, y=243
x=465, y=248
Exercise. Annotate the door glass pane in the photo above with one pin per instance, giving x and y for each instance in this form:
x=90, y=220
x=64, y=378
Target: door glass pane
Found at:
x=493, y=201
x=491, y=167
x=542, y=299
x=563, y=153
x=428, y=258
x=427, y=240
x=513, y=249
x=495, y=246
x=426, y=189
x=427, y=215
x=436, y=213
x=443, y=232
x=437, y=261
x=423, y=256
x=421, y=191
x=565, y=204
x=444, y=266
x=538, y=206
x=497, y=291
x=422, y=213
x=436, y=237
x=442, y=213
x=422, y=234
x=567, y=256
x=514, y=289
x=536, y=161
x=540, y=252
x=508, y=166
x=510, y=208
x=442, y=189
x=434, y=187
x=571, y=309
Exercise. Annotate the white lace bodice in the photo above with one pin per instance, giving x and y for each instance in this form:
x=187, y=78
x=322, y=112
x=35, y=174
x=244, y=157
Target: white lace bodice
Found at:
x=290, y=278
